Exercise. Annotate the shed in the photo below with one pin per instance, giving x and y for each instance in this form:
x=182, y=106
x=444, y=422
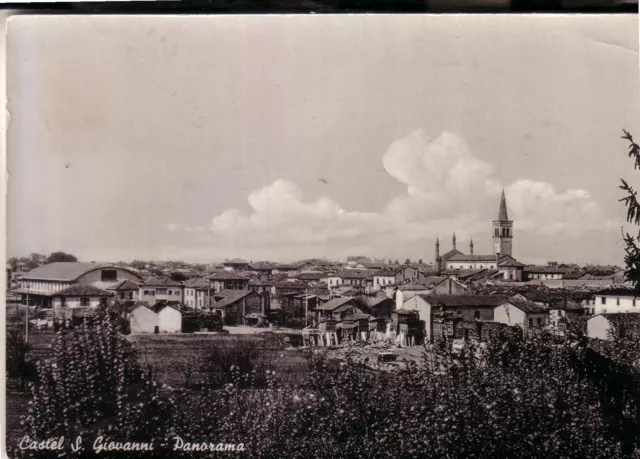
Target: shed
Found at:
x=169, y=319
x=142, y=319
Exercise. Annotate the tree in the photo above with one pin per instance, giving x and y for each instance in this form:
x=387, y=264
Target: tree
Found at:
x=407, y=262
x=421, y=261
x=632, y=249
x=178, y=276
x=60, y=257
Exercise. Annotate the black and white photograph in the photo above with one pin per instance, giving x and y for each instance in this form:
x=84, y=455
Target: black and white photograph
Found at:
x=322, y=236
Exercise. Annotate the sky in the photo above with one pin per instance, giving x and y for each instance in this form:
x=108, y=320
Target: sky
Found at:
x=288, y=137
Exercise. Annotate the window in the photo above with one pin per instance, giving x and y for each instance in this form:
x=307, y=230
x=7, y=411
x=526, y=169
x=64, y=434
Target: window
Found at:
x=604, y=300
x=634, y=302
x=476, y=315
x=109, y=275
x=146, y=292
x=531, y=323
x=161, y=291
x=539, y=322
x=84, y=302
x=617, y=301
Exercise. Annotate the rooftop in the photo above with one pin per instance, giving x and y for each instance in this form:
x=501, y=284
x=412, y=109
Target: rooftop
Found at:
x=465, y=300
x=83, y=290
x=69, y=271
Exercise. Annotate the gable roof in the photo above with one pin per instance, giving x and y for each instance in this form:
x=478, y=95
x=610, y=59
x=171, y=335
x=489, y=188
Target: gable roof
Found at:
x=451, y=253
x=225, y=275
x=465, y=300
x=386, y=273
x=334, y=303
x=197, y=283
x=354, y=274
x=83, y=290
x=413, y=286
x=124, y=285
x=525, y=305
x=230, y=299
x=69, y=271
x=160, y=282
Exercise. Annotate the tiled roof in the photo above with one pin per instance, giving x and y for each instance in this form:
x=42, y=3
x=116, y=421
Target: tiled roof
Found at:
x=124, y=285
x=68, y=271
x=335, y=303
x=354, y=274
x=197, y=283
x=525, y=305
x=547, y=269
x=227, y=276
x=83, y=290
x=311, y=276
x=617, y=291
x=451, y=253
x=415, y=287
x=357, y=317
x=465, y=300
x=230, y=299
x=386, y=273
x=432, y=281
x=160, y=282
x=510, y=264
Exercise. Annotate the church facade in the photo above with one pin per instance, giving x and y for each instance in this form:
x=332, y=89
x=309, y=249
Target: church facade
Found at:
x=502, y=258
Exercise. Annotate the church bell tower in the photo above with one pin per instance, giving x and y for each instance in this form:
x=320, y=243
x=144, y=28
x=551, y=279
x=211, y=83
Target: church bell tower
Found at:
x=502, y=230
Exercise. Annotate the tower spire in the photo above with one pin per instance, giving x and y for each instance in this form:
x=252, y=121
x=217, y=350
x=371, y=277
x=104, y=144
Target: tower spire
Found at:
x=502, y=213
x=454, y=240
x=471, y=247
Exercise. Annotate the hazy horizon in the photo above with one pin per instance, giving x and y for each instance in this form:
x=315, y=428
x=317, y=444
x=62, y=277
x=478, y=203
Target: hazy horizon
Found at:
x=290, y=137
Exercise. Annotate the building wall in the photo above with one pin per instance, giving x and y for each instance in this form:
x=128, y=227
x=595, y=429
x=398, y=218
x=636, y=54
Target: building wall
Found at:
x=96, y=276
x=150, y=294
x=598, y=327
x=615, y=303
x=448, y=287
x=470, y=264
x=44, y=286
x=417, y=303
x=75, y=302
x=510, y=315
x=170, y=320
x=381, y=281
x=253, y=304
x=143, y=320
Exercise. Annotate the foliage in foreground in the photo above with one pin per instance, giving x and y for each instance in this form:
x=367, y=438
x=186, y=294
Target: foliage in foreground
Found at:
x=518, y=396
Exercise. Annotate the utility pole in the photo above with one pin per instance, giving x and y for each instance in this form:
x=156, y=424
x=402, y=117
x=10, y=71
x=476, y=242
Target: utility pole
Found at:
x=26, y=324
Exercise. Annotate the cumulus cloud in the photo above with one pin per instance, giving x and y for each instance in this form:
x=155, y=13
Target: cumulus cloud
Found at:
x=447, y=188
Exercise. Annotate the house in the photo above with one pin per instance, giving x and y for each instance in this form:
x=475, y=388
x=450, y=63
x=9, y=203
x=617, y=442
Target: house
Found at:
x=511, y=269
x=126, y=290
x=235, y=305
x=155, y=289
x=142, y=319
x=439, y=285
x=262, y=268
x=520, y=311
x=608, y=326
x=615, y=300
x=462, y=307
x=552, y=271
x=337, y=309
x=229, y=281
x=563, y=313
x=39, y=285
x=198, y=294
x=383, y=278
x=237, y=264
x=353, y=277
x=76, y=300
x=169, y=319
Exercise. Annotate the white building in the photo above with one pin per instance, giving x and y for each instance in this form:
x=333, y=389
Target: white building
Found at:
x=615, y=301
x=143, y=320
x=607, y=326
x=169, y=320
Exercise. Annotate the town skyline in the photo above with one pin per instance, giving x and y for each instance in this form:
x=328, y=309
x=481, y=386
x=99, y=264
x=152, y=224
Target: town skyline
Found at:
x=236, y=141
